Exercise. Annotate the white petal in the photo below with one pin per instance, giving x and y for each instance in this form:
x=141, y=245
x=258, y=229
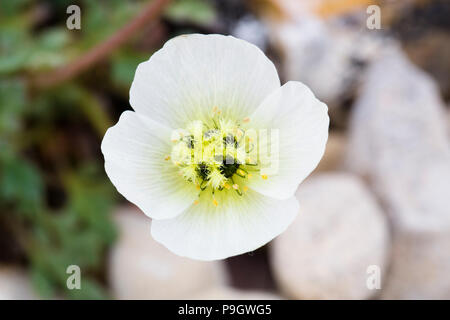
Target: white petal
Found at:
x=134, y=151
x=237, y=225
x=302, y=123
x=192, y=74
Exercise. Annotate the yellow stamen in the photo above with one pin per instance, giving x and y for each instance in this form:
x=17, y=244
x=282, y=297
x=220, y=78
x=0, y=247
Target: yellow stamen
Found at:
x=241, y=172
x=245, y=188
x=167, y=158
x=264, y=176
x=215, y=202
x=197, y=187
x=227, y=186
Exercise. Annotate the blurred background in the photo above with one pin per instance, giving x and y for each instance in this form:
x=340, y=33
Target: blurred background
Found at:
x=374, y=221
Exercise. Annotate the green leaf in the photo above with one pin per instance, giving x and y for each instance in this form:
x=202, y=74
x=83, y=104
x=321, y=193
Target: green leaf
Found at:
x=196, y=11
x=20, y=183
x=12, y=104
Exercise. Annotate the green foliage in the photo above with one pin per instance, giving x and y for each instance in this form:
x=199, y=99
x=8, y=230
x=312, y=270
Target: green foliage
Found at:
x=20, y=182
x=75, y=235
x=196, y=11
x=50, y=139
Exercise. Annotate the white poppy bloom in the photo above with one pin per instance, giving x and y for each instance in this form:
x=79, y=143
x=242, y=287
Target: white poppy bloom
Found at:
x=215, y=148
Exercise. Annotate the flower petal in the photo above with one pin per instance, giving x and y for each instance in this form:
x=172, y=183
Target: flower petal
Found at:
x=134, y=151
x=301, y=121
x=192, y=74
x=238, y=224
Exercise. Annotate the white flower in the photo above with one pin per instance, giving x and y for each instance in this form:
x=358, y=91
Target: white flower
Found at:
x=184, y=156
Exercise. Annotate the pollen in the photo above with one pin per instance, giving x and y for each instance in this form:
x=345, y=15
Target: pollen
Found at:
x=246, y=120
x=196, y=202
x=264, y=176
x=212, y=155
x=215, y=202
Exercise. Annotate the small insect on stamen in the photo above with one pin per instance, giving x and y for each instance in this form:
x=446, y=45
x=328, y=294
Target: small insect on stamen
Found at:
x=235, y=186
x=264, y=176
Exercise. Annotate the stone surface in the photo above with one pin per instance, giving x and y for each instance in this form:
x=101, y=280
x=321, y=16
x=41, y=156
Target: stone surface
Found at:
x=334, y=153
x=448, y=122
x=339, y=233
x=399, y=143
x=15, y=285
x=141, y=268
x=227, y=293
x=327, y=57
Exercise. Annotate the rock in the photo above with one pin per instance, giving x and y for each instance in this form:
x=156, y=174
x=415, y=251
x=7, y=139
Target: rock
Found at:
x=334, y=153
x=252, y=30
x=399, y=142
x=15, y=285
x=448, y=122
x=227, y=293
x=328, y=57
x=339, y=233
x=141, y=268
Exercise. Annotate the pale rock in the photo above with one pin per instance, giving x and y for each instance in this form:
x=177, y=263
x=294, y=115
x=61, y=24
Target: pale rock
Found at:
x=340, y=232
x=334, y=155
x=398, y=142
x=448, y=122
x=328, y=57
x=141, y=268
x=227, y=293
x=252, y=30
x=15, y=284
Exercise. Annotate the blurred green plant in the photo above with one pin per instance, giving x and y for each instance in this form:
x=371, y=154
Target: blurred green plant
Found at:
x=54, y=194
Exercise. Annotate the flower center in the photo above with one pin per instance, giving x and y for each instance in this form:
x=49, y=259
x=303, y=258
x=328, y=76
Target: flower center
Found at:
x=215, y=157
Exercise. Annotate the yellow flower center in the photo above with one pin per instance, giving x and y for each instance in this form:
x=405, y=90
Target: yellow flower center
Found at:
x=215, y=157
